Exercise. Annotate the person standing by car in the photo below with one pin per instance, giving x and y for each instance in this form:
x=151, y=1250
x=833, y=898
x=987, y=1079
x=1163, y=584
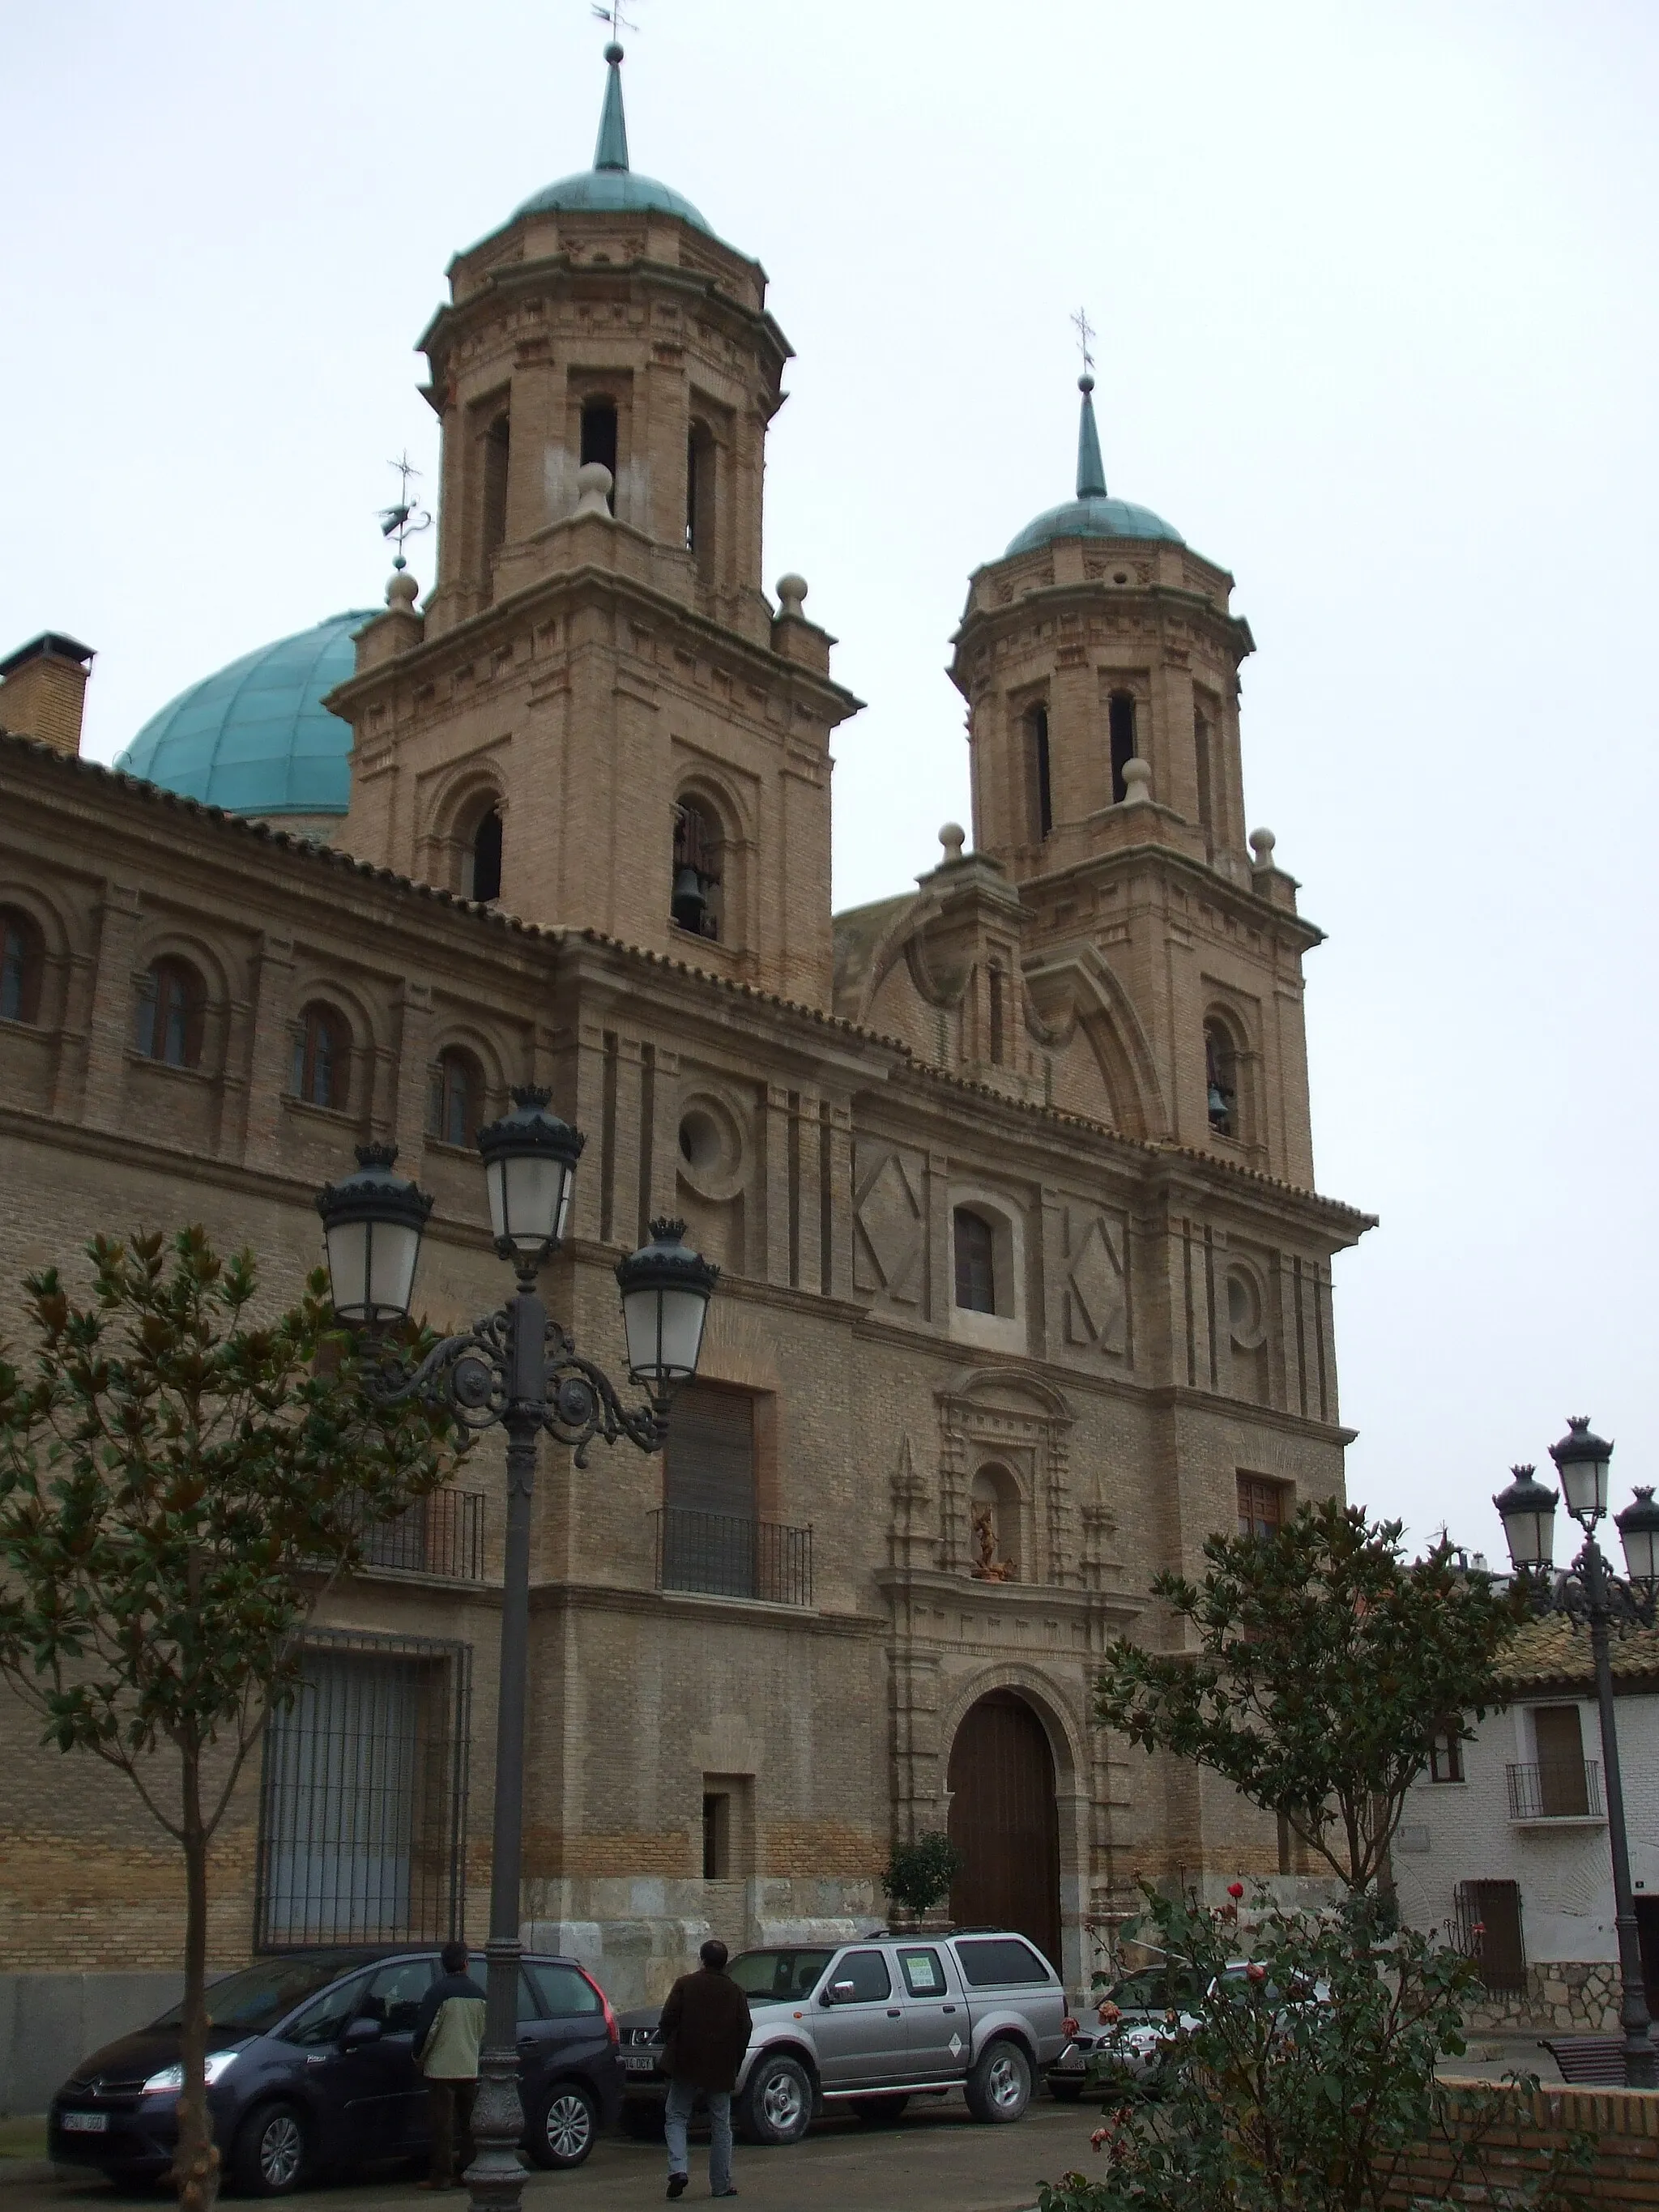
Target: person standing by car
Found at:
x=705, y=2028
x=449, y=2028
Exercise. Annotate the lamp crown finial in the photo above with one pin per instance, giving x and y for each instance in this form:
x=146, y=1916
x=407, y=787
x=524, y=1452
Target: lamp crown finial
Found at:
x=376, y=1156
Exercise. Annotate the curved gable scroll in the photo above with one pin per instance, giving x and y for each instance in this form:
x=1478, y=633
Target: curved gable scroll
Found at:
x=1076, y=989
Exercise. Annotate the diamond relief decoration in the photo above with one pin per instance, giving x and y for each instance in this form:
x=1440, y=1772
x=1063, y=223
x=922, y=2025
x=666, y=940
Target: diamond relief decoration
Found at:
x=1096, y=1309
x=888, y=1216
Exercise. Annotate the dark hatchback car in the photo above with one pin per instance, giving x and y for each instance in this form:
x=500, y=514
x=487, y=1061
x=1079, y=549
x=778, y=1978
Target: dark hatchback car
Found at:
x=311, y=2068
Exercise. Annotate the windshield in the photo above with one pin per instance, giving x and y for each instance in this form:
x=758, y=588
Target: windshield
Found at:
x=779, y=1974
x=256, y=1999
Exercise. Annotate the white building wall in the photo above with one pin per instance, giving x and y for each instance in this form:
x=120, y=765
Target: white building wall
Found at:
x=1459, y=1831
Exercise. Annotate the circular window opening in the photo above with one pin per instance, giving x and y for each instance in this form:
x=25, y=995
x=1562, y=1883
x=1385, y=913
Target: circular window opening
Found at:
x=1243, y=1310
x=701, y=1144
x=1120, y=575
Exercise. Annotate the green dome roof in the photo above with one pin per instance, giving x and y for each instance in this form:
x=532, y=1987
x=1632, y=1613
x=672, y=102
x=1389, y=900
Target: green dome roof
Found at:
x=612, y=191
x=256, y=738
x=1093, y=513
x=1093, y=518
x=610, y=187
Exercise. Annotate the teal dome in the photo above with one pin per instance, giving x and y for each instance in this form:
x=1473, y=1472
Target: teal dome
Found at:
x=612, y=191
x=1095, y=517
x=257, y=738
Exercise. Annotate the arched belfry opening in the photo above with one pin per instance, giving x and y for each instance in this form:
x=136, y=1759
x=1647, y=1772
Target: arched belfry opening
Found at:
x=1005, y=1821
x=600, y=440
x=484, y=861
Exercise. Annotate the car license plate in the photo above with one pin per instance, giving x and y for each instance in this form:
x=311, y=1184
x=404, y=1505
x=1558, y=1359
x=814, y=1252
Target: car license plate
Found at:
x=85, y=2123
x=634, y=2062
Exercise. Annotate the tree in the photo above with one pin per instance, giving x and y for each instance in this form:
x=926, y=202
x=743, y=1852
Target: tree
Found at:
x=178, y=1485
x=919, y=1874
x=1324, y=1664
x=1307, y=2084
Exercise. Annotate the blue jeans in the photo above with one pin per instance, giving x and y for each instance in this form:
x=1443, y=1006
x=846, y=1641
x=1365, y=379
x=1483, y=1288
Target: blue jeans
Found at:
x=681, y=2098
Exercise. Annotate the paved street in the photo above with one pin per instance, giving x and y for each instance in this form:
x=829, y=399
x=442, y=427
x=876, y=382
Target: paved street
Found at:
x=934, y=2160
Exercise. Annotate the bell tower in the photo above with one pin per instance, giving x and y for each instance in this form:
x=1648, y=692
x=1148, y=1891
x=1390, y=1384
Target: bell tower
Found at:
x=598, y=681
x=1099, y=657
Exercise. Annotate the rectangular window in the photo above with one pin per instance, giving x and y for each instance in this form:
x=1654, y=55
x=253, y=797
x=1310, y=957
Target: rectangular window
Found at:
x=710, y=1534
x=997, y=1961
x=1120, y=725
x=1042, y=791
x=1562, y=1784
x=1487, y=1918
x=1446, y=1753
x=1264, y=1506
x=924, y=1977
x=717, y=1837
x=363, y=1799
x=976, y=1258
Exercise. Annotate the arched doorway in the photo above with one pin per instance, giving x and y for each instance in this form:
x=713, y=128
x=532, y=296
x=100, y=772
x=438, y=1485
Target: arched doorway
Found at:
x=1004, y=1821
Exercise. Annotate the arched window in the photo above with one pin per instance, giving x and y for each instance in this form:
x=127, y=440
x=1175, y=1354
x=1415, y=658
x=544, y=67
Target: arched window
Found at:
x=497, y=452
x=484, y=862
x=1042, y=807
x=172, y=1003
x=1221, y=1077
x=1120, y=725
x=22, y=960
x=700, y=463
x=322, y=1058
x=600, y=440
x=454, y=1104
x=977, y=1264
x=693, y=903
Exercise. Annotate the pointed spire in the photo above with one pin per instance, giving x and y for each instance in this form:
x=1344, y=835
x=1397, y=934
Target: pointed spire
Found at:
x=611, y=152
x=1090, y=470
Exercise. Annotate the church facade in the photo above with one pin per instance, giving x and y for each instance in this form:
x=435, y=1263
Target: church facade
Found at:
x=1025, y=1284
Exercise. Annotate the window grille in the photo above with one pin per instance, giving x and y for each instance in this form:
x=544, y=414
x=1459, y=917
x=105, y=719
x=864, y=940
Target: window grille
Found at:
x=725, y=1556
x=363, y=1795
x=441, y=1534
x=1486, y=1927
x=975, y=1252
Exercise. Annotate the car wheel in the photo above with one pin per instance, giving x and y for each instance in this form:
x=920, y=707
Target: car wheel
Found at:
x=1066, y=2092
x=1000, y=2087
x=776, y=2107
x=271, y=2152
x=872, y=2110
x=562, y=2133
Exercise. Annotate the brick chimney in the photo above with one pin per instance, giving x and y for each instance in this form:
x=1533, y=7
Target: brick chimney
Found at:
x=42, y=688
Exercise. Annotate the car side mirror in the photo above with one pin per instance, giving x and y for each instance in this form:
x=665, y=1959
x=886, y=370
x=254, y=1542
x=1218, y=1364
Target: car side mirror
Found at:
x=364, y=2029
x=839, y=1993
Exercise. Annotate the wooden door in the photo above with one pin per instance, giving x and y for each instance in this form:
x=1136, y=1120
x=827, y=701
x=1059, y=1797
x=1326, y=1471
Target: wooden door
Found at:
x=1004, y=1821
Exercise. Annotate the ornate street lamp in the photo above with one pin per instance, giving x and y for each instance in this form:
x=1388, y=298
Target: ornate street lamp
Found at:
x=1591, y=1595
x=519, y=1370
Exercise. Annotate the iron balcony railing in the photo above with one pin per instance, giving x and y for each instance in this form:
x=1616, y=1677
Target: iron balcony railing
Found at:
x=724, y=1555
x=441, y=1534
x=1556, y=1789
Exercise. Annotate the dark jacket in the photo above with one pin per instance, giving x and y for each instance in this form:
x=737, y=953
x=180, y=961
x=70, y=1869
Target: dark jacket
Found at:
x=449, y=2028
x=705, y=2029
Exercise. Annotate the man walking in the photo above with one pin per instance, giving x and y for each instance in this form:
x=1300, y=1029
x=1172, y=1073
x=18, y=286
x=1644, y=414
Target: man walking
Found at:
x=705, y=2030
x=448, y=2030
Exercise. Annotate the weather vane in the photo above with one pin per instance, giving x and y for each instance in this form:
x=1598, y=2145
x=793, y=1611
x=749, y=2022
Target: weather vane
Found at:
x=1086, y=333
x=406, y=519
x=618, y=21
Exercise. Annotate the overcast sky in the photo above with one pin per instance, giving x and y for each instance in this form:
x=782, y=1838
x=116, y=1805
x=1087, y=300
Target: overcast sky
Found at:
x=1375, y=291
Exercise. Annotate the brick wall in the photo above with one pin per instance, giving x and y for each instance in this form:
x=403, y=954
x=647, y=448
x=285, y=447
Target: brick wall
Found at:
x=1481, y=2160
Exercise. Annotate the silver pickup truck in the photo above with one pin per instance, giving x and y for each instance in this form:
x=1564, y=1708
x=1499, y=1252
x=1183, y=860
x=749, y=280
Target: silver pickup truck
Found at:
x=872, y=2024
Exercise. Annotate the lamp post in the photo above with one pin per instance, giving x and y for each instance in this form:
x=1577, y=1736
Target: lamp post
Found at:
x=1588, y=1593
x=518, y=1369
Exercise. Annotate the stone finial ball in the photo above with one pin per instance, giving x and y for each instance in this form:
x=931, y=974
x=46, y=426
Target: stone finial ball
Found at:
x=791, y=591
x=594, y=483
x=953, y=838
x=1137, y=779
x=1261, y=844
x=402, y=593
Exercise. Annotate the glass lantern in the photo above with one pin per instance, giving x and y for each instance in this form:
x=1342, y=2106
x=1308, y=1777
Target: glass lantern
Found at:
x=666, y=1288
x=1526, y=1510
x=372, y=1226
x=530, y=1167
x=1582, y=1460
x=1639, y=1531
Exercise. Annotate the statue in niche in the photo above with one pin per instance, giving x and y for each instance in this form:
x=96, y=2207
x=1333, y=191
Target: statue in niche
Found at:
x=987, y=1567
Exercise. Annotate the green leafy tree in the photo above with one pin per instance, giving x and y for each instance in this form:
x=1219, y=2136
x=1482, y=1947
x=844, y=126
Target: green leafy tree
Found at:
x=1307, y=2082
x=179, y=1482
x=1319, y=1664
x=920, y=1874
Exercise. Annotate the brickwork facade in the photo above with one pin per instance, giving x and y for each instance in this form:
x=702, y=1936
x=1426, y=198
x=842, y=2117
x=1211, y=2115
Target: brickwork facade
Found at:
x=1087, y=1043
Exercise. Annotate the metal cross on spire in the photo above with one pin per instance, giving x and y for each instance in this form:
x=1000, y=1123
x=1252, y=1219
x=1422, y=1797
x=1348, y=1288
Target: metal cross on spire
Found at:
x=406, y=519
x=614, y=15
x=1086, y=335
